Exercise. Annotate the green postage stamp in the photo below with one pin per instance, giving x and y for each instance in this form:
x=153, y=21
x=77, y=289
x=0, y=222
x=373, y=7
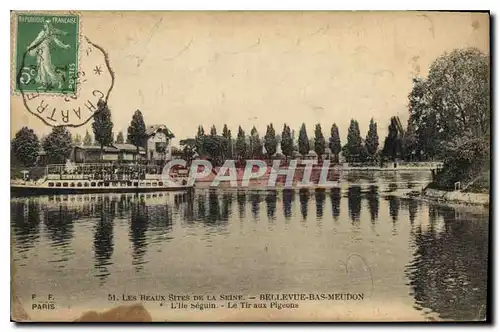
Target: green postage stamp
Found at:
x=47, y=53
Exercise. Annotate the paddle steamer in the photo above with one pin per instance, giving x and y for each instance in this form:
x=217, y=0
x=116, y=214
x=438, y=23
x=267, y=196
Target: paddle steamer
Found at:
x=100, y=178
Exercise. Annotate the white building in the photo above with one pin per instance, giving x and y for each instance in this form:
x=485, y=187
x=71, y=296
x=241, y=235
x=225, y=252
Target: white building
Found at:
x=159, y=145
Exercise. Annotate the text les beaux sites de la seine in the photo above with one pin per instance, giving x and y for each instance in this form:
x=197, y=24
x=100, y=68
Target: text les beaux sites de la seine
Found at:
x=234, y=301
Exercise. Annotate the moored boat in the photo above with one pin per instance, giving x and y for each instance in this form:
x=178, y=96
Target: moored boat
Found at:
x=99, y=178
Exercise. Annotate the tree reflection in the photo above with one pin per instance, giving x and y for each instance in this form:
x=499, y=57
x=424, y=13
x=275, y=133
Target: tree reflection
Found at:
x=373, y=203
x=124, y=204
x=25, y=216
x=335, y=197
x=189, y=208
x=448, y=273
x=412, y=210
x=288, y=197
x=201, y=207
x=103, y=237
x=255, y=200
x=354, y=203
x=137, y=235
x=241, y=198
x=227, y=203
x=214, y=213
x=271, y=199
x=393, y=208
x=304, y=201
x=320, y=202
x=59, y=223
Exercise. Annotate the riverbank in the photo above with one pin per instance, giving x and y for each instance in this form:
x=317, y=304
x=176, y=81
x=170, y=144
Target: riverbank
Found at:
x=455, y=199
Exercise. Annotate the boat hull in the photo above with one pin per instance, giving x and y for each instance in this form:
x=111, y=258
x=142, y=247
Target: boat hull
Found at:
x=21, y=190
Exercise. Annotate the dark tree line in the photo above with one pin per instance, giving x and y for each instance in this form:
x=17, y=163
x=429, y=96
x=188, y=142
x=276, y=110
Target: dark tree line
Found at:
x=253, y=147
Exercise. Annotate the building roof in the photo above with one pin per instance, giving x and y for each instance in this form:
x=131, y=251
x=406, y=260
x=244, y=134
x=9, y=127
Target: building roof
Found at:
x=97, y=148
x=151, y=130
x=128, y=147
x=116, y=148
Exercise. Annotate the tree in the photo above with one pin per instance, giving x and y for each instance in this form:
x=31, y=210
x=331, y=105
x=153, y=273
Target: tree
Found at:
x=354, y=150
x=409, y=144
x=214, y=147
x=77, y=140
x=213, y=131
x=334, y=142
x=136, y=132
x=255, y=144
x=392, y=143
x=286, y=142
x=372, y=141
x=87, y=140
x=450, y=114
x=200, y=136
x=58, y=145
x=241, y=144
x=119, y=138
x=319, y=142
x=304, y=147
x=26, y=146
x=467, y=160
x=270, y=142
x=188, y=149
x=226, y=133
x=453, y=100
x=103, y=126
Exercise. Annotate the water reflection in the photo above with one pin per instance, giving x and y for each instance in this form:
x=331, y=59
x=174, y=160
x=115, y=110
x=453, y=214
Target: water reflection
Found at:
x=255, y=200
x=227, y=203
x=304, y=201
x=137, y=234
x=335, y=196
x=447, y=272
x=241, y=198
x=320, y=202
x=354, y=203
x=271, y=199
x=412, y=210
x=373, y=203
x=27, y=217
x=103, y=236
x=288, y=198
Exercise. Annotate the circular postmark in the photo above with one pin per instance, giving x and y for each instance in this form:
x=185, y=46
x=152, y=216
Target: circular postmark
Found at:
x=68, y=94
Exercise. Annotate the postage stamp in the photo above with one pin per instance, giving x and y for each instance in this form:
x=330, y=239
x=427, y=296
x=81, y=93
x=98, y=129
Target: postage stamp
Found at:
x=47, y=53
x=60, y=74
x=93, y=81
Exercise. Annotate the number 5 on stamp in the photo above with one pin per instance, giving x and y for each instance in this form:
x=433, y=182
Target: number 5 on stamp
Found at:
x=47, y=53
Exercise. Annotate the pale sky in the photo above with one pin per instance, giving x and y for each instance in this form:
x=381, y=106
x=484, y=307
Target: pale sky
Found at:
x=183, y=69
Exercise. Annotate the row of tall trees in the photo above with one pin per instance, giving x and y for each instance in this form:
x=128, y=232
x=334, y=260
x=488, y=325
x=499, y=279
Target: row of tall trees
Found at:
x=219, y=147
x=88, y=140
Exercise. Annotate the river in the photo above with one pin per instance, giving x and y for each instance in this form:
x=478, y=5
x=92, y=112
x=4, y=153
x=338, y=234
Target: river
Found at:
x=412, y=260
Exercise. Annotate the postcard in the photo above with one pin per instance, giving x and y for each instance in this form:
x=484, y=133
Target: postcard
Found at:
x=232, y=166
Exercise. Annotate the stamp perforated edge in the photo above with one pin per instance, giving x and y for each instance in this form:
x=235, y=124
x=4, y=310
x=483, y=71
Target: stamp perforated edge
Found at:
x=13, y=49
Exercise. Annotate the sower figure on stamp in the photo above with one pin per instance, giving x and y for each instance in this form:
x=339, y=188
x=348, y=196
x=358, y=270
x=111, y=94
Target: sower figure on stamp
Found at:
x=40, y=47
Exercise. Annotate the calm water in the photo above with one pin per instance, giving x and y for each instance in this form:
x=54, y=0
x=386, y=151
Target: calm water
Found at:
x=429, y=258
